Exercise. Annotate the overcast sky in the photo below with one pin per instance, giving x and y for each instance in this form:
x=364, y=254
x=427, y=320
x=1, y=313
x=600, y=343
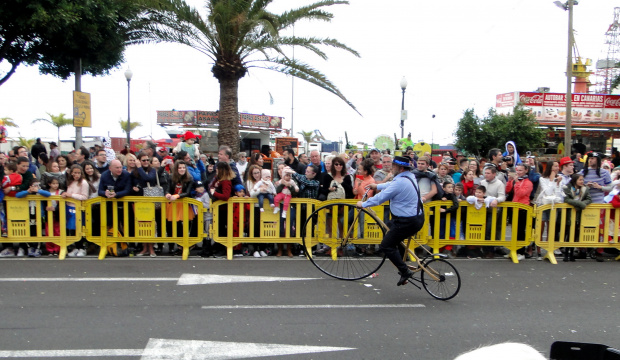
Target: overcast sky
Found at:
x=455, y=55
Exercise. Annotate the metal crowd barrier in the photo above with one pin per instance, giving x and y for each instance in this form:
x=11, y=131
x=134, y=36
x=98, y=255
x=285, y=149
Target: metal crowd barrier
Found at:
x=144, y=219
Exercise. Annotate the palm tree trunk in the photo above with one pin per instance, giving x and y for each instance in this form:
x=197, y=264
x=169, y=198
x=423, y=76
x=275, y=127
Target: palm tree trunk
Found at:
x=228, y=132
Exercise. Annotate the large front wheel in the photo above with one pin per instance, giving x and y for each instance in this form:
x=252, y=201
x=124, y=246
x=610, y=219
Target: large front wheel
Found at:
x=344, y=245
x=441, y=279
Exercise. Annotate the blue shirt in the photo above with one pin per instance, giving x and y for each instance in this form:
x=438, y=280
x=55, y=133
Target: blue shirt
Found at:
x=402, y=195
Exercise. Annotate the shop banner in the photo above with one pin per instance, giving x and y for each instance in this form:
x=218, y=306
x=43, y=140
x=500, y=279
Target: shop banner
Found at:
x=212, y=118
x=550, y=108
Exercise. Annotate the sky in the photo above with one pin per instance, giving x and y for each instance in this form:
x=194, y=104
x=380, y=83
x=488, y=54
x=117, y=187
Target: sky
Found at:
x=455, y=55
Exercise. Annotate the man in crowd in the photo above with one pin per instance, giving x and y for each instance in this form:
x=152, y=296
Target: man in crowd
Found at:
x=432, y=165
x=315, y=159
x=426, y=179
x=54, y=151
x=292, y=162
x=303, y=159
x=22, y=151
x=463, y=166
x=375, y=155
x=114, y=184
x=38, y=148
x=495, y=160
x=101, y=161
x=496, y=189
x=82, y=155
x=225, y=154
x=385, y=174
x=150, y=148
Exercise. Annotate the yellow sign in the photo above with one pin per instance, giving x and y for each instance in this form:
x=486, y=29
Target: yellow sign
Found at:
x=81, y=109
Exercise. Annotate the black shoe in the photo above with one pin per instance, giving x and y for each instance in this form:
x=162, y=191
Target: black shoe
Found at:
x=599, y=258
x=404, y=277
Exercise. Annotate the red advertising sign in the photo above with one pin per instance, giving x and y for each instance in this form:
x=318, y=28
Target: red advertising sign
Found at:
x=212, y=118
x=505, y=100
x=550, y=108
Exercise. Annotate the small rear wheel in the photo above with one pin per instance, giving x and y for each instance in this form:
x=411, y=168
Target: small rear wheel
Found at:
x=441, y=279
x=343, y=246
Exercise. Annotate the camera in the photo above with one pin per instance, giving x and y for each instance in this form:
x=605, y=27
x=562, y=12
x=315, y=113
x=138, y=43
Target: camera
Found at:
x=507, y=158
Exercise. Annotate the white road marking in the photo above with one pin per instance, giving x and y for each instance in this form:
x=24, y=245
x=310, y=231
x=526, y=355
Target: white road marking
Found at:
x=164, y=349
x=318, y=306
x=70, y=353
x=87, y=279
x=197, y=279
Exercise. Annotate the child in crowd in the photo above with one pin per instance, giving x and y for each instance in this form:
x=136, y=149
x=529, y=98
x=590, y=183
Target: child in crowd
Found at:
x=54, y=188
x=10, y=180
x=265, y=189
x=577, y=195
x=458, y=192
x=448, y=189
x=285, y=188
x=201, y=194
x=34, y=249
x=479, y=198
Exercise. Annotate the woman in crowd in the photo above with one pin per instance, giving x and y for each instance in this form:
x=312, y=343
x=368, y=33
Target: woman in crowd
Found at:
x=92, y=177
x=163, y=177
x=194, y=169
x=63, y=163
x=131, y=163
x=468, y=183
x=43, y=161
x=254, y=176
x=364, y=178
x=180, y=186
x=443, y=174
x=53, y=171
x=326, y=178
x=474, y=165
x=255, y=159
x=77, y=188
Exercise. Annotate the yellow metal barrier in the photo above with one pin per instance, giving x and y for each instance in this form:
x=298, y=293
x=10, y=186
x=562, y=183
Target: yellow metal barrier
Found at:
x=149, y=213
x=26, y=221
x=562, y=228
x=480, y=226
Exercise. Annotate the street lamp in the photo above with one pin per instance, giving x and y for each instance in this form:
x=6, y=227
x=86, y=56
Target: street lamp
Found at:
x=128, y=75
x=568, y=6
x=403, y=113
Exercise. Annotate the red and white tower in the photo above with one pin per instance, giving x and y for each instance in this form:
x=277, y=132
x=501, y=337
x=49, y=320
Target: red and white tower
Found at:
x=608, y=68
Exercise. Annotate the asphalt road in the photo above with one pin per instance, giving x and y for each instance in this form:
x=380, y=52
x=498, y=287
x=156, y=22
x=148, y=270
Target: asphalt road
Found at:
x=131, y=304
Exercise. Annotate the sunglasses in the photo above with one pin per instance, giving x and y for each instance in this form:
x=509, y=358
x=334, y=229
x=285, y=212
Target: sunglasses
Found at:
x=145, y=160
x=338, y=164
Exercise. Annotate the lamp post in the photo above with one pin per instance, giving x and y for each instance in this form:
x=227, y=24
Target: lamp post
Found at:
x=403, y=113
x=568, y=6
x=128, y=75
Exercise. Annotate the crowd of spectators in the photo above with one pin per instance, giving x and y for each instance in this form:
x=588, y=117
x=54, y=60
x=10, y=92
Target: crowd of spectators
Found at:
x=186, y=172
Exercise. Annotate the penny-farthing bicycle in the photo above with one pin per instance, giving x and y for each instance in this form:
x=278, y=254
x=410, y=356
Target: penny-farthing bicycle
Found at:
x=345, y=243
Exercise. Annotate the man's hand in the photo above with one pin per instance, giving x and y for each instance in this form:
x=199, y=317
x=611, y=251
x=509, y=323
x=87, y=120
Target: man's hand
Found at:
x=494, y=203
x=371, y=186
x=359, y=204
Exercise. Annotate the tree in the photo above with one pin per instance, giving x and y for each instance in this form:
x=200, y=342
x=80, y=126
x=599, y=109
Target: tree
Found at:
x=53, y=34
x=237, y=35
x=307, y=135
x=57, y=120
x=22, y=141
x=477, y=136
x=132, y=126
x=8, y=122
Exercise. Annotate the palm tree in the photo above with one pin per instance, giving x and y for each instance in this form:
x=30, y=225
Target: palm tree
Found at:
x=132, y=126
x=22, y=141
x=307, y=135
x=8, y=122
x=237, y=35
x=58, y=121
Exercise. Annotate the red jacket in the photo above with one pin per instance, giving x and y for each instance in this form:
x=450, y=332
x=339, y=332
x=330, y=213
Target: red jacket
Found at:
x=615, y=201
x=522, y=190
x=223, y=189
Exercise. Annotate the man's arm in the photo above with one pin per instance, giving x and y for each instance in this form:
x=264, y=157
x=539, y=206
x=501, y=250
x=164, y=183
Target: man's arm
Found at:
x=431, y=193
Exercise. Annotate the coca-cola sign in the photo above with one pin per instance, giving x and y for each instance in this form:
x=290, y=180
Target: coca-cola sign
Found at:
x=531, y=99
x=612, y=101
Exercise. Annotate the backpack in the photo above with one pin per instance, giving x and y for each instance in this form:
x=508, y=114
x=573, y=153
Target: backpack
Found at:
x=338, y=194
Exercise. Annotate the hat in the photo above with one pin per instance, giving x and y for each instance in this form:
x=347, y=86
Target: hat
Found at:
x=53, y=144
x=565, y=160
x=265, y=172
x=198, y=184
x=402, y=161
x=595, y=154
x=190, y=135
x=239, y=187
x=375, y=149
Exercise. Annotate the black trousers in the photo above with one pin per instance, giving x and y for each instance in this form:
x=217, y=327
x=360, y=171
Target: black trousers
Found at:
x=400, y=229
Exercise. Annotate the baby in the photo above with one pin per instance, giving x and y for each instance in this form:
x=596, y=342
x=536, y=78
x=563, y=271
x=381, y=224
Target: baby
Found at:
x=479, y=198
x=265, y=188
x=286, y=189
